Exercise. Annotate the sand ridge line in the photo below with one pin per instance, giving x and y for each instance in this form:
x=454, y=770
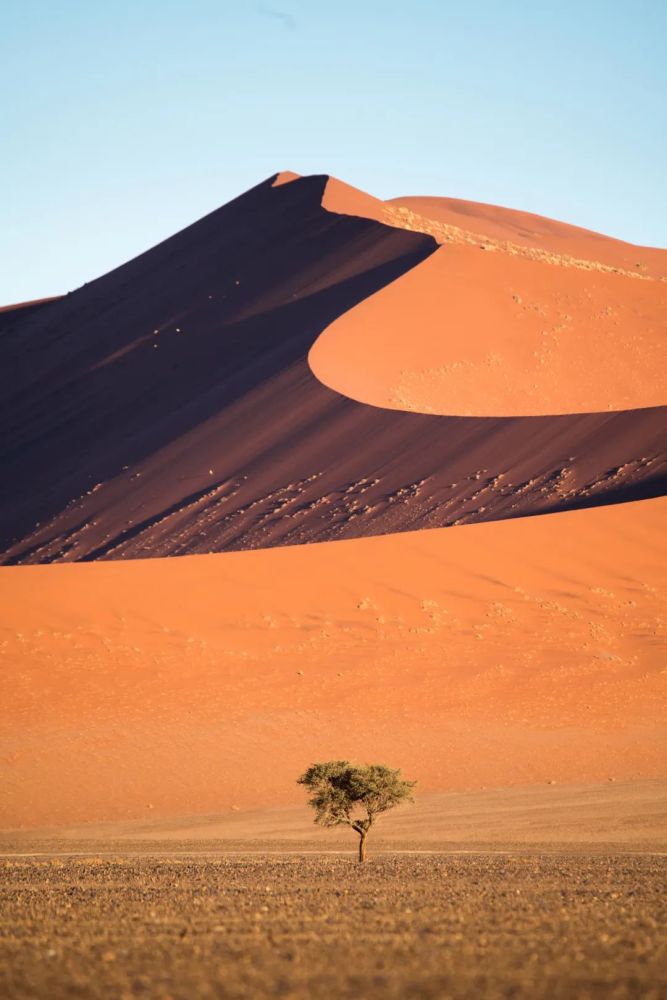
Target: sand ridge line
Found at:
x=149, y=478
x=405, y=218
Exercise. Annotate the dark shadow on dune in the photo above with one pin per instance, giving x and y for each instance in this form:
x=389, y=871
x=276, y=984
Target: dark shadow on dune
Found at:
x=90, y=388
x=168, y=407
x=10, y=315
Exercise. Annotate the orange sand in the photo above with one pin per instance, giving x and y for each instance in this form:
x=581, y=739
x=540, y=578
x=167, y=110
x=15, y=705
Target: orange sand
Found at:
x=509, y=653
x=628, y=813
x=169, y=408
x=522, y=320
x=535, y=232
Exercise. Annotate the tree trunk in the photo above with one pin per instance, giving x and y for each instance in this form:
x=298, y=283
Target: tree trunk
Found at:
x=362, y=847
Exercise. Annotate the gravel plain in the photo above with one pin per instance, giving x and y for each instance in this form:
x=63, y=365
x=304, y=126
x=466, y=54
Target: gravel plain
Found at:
x=488, y=925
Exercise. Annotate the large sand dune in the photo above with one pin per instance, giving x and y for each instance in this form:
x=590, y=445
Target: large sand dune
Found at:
x=169, y=408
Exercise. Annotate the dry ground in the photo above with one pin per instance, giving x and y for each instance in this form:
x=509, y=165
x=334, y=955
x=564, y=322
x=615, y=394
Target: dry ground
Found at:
x=515, y=924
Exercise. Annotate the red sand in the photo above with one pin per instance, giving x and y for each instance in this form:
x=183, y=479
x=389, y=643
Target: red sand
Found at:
x=509, y=653
x=169, y=408
x=501, y=335
x=535, y=231
x=548, y=319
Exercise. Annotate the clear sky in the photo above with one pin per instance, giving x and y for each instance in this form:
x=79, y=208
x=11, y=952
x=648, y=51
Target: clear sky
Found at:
x=125, y=120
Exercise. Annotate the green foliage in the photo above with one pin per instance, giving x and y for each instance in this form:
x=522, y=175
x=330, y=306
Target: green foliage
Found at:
x=342, y=793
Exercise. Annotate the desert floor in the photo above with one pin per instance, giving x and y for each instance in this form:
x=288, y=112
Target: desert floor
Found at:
x=504, y=924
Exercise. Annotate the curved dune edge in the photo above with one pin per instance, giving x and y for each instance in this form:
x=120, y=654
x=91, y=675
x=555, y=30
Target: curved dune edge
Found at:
x=506, y=654
x=546, y=320
x=169, y=409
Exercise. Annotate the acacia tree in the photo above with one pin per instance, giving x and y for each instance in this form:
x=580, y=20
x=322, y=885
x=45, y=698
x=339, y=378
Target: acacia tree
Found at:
x=344, y=794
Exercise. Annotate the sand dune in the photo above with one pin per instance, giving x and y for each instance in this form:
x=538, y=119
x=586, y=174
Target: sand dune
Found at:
x=501, y=336
x=169, y=408
x=9, y=315
x=549, y=319
x=525, y=229
x=510, y=653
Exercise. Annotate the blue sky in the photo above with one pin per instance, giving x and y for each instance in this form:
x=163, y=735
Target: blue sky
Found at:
x=125, y=121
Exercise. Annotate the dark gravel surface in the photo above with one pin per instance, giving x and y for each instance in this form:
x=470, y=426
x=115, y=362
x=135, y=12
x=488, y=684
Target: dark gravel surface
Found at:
x=480, y=926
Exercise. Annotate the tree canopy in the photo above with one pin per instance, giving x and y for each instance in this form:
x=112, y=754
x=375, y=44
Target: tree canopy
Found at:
x=342, y=793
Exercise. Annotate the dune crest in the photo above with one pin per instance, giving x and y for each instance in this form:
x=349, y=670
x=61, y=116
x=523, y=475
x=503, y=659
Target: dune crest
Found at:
x=525, y=230
x=405, y=218
x=169, y=407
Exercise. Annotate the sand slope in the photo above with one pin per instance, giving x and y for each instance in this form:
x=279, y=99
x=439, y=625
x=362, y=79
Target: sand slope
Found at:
x=549, y=318
x=628, y=813
x=450, y=217
x=493, y=334
x=169, y=407
x=508, y=653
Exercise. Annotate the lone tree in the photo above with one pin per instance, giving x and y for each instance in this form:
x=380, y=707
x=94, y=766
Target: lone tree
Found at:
x=343, y=794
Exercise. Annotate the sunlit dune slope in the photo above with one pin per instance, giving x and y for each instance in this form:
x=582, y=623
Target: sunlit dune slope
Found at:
x=169, y=408
x=453, y=218
x=514, y=315
x=509, y=653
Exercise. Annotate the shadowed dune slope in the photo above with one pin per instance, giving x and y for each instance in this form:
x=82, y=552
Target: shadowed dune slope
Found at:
x=9, y=315
x=510, y=653
x=168, y=407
